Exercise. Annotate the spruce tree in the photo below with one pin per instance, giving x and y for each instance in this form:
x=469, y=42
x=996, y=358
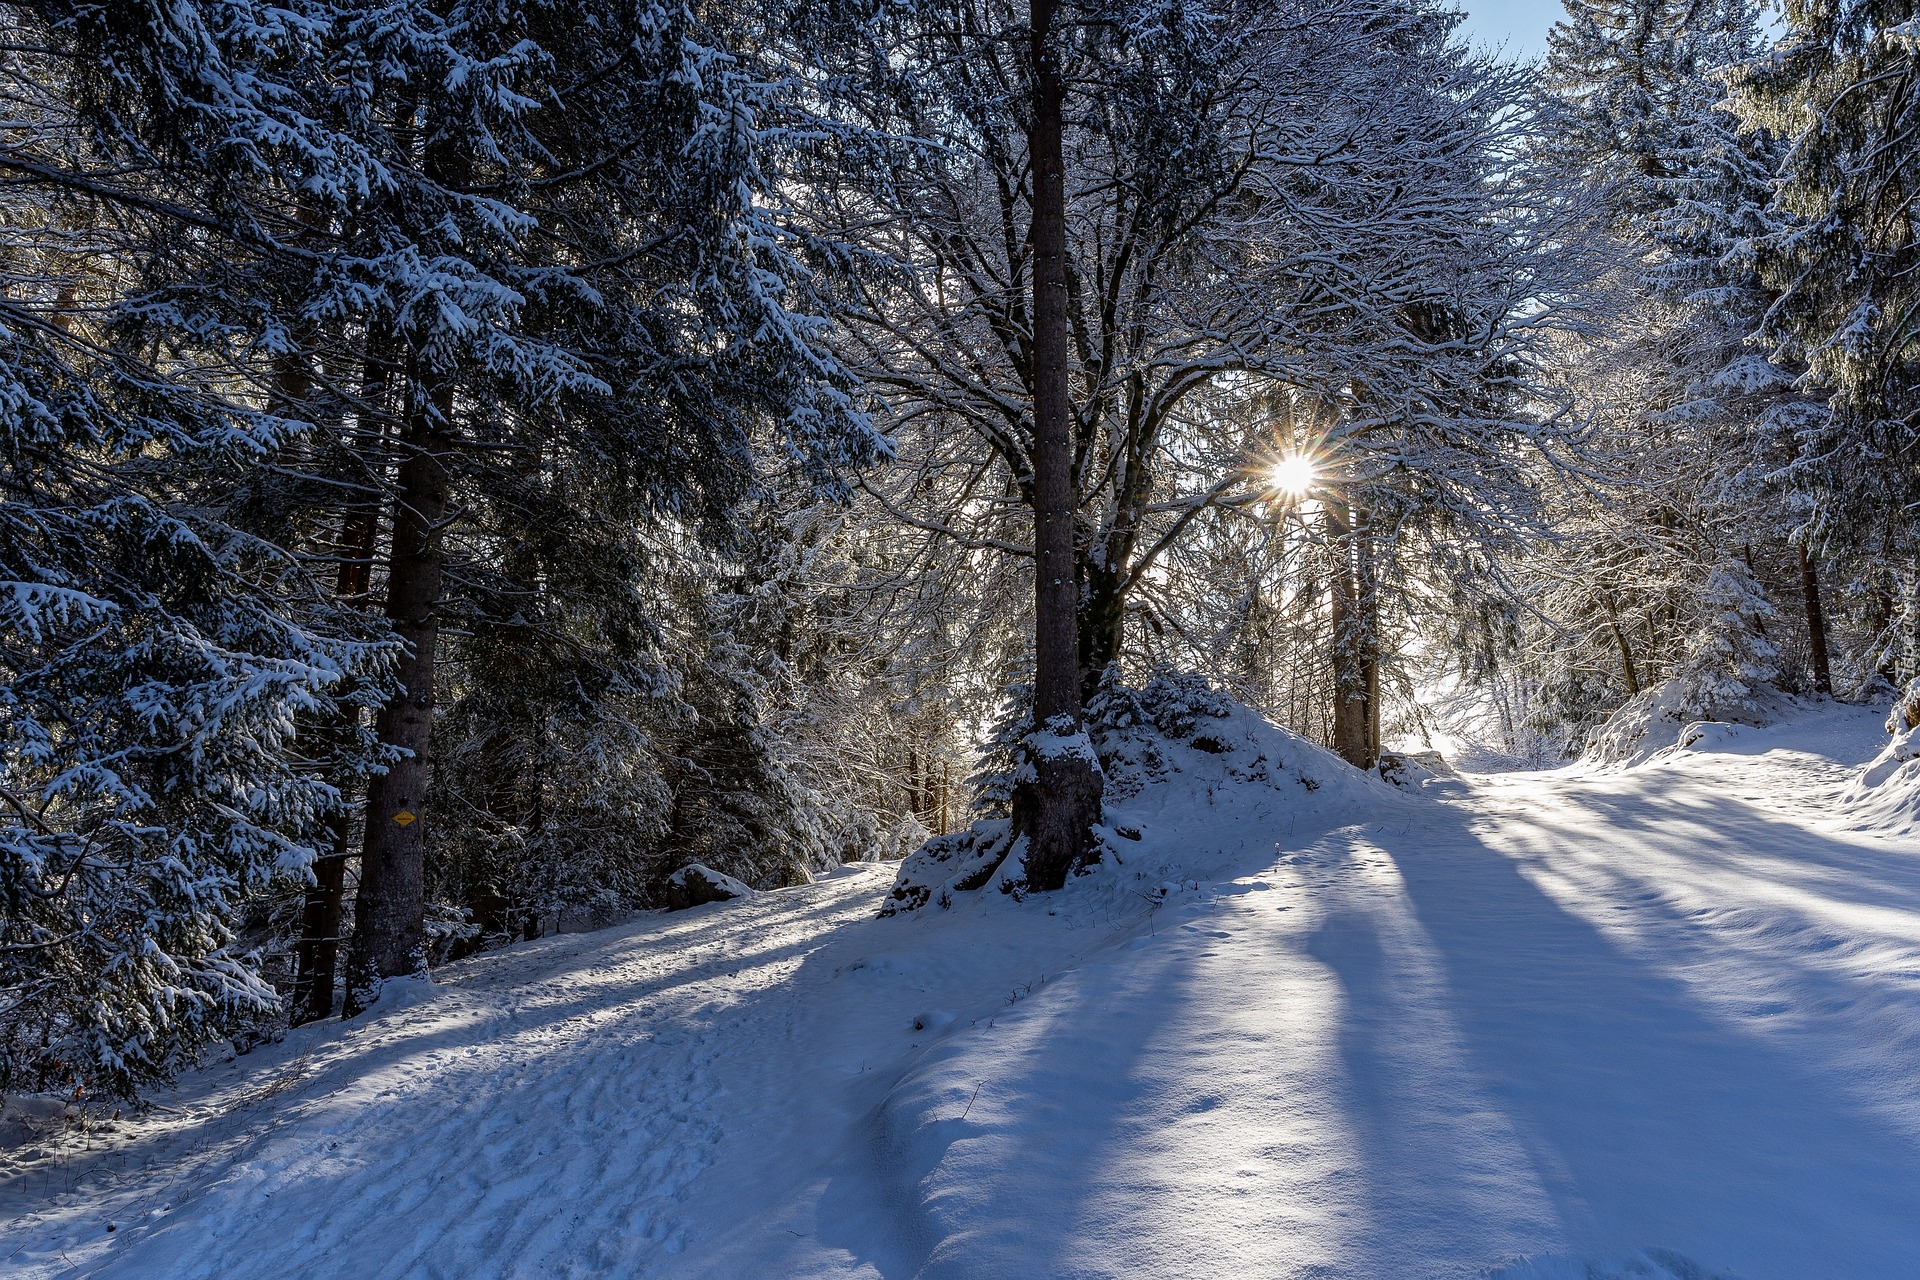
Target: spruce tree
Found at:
x=169, y=652
x=630, y=316
x=1842, y=264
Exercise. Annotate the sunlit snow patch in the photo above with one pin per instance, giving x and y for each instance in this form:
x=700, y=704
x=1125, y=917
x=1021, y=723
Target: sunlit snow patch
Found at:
x=1885, y=795
x=1672, y=718
x=1172, y=750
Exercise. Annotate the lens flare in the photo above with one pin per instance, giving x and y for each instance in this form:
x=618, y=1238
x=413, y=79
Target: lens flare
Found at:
x=1293, y=475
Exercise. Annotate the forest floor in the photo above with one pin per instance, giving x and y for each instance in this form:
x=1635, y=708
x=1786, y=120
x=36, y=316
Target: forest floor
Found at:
x=1655, y=1022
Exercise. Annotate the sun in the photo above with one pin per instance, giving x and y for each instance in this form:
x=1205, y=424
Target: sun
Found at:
x=1294, y=475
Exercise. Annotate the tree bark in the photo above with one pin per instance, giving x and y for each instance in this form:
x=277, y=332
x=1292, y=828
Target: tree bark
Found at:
x=1879, y=618
x=316, y=955
x=1367, y=615
x=1908, y=665
x=1816, y=624
x=1057, y=810
x=1102, y=623
x=389, y=910
x=1626, y=650
x=1351, y=714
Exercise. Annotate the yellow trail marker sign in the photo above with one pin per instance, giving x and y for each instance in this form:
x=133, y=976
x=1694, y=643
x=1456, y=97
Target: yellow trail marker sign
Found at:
x=404, y=817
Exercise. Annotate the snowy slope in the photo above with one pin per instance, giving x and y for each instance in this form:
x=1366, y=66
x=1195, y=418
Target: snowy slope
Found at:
x=1884, y=796
x=1659, y=1022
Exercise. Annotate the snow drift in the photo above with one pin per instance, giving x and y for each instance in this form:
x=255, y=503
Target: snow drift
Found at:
x=1172, y=750
x=1884, y=796
x=1676, y=716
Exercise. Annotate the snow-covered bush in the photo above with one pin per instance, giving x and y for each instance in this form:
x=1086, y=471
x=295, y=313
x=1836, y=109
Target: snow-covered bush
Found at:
x=949, y=864
x=1885, y=795
x=1726, y=676
x=1175, y=703
x=1660, y=717
x=1906, y=710
x=1171, y=704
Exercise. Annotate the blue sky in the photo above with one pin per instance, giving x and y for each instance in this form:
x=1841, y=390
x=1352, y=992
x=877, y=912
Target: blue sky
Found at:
x=1519, y=25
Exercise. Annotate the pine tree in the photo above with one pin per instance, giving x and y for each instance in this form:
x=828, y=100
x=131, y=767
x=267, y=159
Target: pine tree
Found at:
x=1628, y=89
x=1841, y=261
x=627, y=299
x=168, y=654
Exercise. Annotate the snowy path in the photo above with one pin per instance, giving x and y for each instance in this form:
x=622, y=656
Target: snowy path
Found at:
x=1669, y=1016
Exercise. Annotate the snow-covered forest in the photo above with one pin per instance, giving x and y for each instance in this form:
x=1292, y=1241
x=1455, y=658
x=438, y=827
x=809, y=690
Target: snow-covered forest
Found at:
x=890, y=638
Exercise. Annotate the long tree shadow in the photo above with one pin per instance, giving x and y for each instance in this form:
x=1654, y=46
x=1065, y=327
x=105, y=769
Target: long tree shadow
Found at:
x=1134, y=1120
x=909, y=1199
x=1646, y=1119
x=1505, y=1077
x=525, y=1013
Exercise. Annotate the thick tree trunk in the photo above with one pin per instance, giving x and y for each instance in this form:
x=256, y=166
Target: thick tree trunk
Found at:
x=1351, y=714
x=1058, y=809
x=389, y=910
x=1816, y=624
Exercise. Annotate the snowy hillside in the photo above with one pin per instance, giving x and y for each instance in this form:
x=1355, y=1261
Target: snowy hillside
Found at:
x=1661, y=1022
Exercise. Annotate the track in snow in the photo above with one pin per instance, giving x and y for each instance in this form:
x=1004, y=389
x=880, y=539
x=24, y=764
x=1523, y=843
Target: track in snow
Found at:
x=1619, y=1024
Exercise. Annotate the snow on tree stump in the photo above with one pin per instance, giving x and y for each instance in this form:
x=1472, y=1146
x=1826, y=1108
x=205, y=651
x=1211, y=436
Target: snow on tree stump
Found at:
x=695, y=884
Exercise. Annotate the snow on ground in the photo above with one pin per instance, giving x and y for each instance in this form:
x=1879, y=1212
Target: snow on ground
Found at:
x=1662, y=1021
x=1884, y=797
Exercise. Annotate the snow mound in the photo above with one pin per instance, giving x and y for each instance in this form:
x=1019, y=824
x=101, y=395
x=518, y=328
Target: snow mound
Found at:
x=1885, y=795
x=1709, y=735
x=26, y=1118
x=697, y=883
x=1171, y=750
x=948, y=864
x=1672, y=718
x=1411, y=770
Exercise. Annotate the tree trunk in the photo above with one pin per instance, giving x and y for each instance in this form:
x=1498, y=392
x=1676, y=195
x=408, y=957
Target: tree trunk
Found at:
x=1879, y=619
x=1626, y=650
x=1351, y=714
x=916, y=785
x=1103, y=621
x=316, y=955
x=1907, y=624
x=316, y=951
x=1816, y=624
x=1367, y=615
x=389, y=911
x=1057, y=810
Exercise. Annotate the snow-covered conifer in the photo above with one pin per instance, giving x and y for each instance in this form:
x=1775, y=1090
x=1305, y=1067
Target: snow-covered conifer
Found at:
x=169, y=653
